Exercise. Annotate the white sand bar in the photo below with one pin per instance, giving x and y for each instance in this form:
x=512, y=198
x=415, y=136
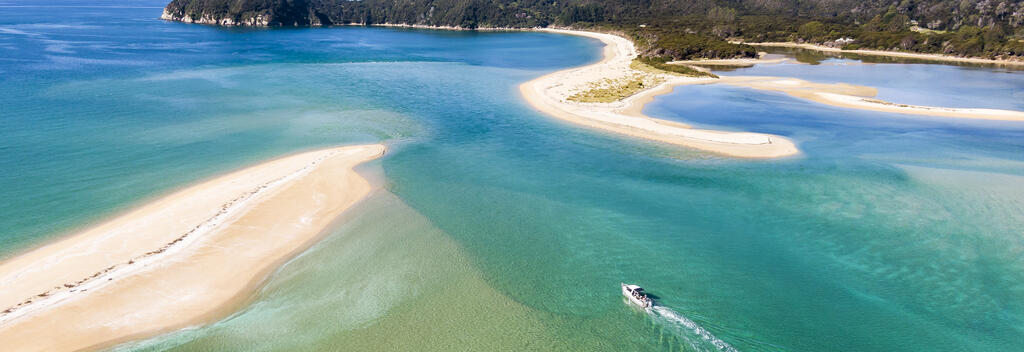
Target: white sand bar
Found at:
x=550, y=94
x=187, y=258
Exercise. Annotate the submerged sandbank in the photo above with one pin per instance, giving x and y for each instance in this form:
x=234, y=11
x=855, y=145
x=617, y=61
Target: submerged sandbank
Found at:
x=180, y=260
x=550, y=94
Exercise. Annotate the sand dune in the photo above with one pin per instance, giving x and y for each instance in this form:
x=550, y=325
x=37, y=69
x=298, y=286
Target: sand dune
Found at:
x=189, y=257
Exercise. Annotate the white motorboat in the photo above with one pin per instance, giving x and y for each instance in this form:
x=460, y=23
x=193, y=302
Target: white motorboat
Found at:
x=636, y=295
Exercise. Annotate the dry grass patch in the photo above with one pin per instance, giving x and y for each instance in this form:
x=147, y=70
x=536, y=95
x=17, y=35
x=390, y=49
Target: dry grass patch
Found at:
x=612, y=90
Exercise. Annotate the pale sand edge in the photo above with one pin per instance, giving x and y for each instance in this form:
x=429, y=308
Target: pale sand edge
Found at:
x=233, y=296
x=861, y=97
x=655, y=129
x=932, y=57
x=855, y=102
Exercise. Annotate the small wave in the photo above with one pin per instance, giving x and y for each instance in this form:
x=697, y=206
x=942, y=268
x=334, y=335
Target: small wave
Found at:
x=678, y=319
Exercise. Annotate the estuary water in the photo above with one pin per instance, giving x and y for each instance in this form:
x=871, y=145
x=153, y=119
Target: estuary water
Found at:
x=499, y=228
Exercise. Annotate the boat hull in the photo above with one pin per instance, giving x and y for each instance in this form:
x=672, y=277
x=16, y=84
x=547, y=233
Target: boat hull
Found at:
x=645, y=304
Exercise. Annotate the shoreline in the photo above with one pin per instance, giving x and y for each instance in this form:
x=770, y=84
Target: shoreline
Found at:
x=262, y=22
x=900, y=54
x=549, y=94
x=198, y=252
x=842, y=95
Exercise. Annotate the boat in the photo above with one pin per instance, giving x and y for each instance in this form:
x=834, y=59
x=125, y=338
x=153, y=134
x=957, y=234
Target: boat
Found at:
x=636, y=295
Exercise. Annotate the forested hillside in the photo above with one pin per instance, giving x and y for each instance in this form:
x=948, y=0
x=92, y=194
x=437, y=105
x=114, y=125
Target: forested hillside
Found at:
x=674, y=29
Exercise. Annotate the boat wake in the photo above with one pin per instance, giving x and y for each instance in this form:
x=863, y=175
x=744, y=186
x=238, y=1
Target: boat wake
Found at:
x=691, y=330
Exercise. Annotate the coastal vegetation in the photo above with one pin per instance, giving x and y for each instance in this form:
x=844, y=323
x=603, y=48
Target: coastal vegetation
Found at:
x=648, y=72
x=612, y=90
x=677, y=29
x=894, y=30
x=646, y=63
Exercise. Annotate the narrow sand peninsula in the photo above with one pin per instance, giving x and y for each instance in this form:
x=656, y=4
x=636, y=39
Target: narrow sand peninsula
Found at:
x=855, y=102
x=183, y=259
x=550, y=94
x=861, y=97
x=932, y=57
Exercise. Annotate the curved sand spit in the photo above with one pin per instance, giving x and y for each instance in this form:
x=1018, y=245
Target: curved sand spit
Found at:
x=550, y=94
x=183, y=259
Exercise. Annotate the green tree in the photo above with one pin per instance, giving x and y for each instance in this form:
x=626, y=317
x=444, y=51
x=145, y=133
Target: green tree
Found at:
x=811, y=31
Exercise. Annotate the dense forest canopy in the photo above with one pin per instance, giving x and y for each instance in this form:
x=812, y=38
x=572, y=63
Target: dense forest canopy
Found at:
x=675, y=29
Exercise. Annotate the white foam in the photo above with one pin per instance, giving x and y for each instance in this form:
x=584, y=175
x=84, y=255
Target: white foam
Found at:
x=678, y=319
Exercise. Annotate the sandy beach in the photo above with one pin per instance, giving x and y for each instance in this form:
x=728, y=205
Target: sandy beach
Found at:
x=551, y=93
x=181, y=260
x=932, y=57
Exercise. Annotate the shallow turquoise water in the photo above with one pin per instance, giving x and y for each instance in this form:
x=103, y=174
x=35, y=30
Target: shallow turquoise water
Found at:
x=501, y=228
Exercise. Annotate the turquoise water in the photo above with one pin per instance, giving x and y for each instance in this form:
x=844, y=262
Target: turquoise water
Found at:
x=502, y=229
